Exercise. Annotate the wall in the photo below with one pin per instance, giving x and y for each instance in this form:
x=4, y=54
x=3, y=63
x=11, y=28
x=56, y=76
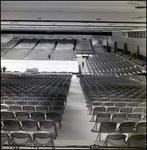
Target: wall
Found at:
x=132, y=43
x=6, y=37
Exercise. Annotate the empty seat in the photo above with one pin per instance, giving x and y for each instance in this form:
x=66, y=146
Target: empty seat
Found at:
x=96, y=111
x=119, y=117
x=106, y=127
x=7, y=115
x=126, y=110
x=11, y=125
x=137, y=140
x=112, y=109
x=49, y=126
x=112, y=140
x=15, y=108
x=22, y=115
x=21, y=138
x=38, y=116
x=5, y=139
x=103, y=116
x=43, y=139
x=43, y=109
x=4, y=107
x=54, y=116
x=136, y=117
x=140, y=127
x=28, y=109
x=29, y=125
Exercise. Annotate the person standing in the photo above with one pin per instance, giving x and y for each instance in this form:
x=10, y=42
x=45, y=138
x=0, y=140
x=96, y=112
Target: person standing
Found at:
x=4, y=69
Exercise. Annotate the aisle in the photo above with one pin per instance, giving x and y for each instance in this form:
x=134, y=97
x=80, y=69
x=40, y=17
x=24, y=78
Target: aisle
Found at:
x=76, y=128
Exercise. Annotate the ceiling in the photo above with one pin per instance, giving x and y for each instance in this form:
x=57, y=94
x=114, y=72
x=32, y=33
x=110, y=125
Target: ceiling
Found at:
x=93, y=16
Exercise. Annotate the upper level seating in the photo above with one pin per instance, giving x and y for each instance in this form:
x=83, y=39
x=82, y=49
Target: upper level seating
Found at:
x=63, y=50
x=83, y=47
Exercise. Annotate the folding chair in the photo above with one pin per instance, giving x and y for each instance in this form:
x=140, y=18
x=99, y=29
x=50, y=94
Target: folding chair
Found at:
x=127, y=127
x=9, y=102
x=4, y=107
x=103, y=116
x=55, y=117
x=43, y=109
x=38, y=116
x=136, y=117
x=137, y=140
x=126, y=110
x=141, y=110
x=140, y=127
x=119, y=117
x=49, y=126
x=112, y=140
x=133, y=104
x=60, y=104
x=28, y=109
x=15, y=108
x=33, y=103
x=11, y=125
x=21, y=138
x=22, y=115
x=112, y=109
x=56, y=109
x=7, y=115
x=29, y=125
x=94, y=104
x=96, y=111
x=43, y=139
x=5, y=139
x=106, y=127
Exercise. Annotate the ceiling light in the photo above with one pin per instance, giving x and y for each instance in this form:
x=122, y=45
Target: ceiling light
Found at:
x=98, y=19
x=39, y=18
x=137, y=17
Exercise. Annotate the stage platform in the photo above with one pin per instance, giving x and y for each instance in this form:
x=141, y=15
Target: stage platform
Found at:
x=42, y=65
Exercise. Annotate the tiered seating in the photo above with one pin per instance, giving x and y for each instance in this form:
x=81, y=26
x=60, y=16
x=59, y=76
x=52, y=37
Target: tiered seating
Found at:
x=83, y=47
x=33, y=105
x=117, y=107
x=104, y=63
x=42, y=50
x=63, y=50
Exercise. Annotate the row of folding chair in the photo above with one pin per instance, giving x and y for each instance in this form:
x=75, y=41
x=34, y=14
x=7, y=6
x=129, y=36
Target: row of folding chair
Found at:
x=100, y=115
x=126, y=127
x=116, y=107
x=19, y=139
x=36, y=116
x=39, y=115
x=117, y=140
x=43, y=107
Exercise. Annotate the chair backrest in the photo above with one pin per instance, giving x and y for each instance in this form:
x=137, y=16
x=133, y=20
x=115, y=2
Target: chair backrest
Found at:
x=107, y=104
x=11, y=125
x=98, y=110
x=43, y=139
x=29, y=125
x=7, y=115
x=4, y=138
x=45, y=103
x=141, y=110
x=126, y=110
x=49, y=126
x=21, y=138
x=107, y=126
x=141, y=127
x=43, y=109
x=15, y=108
x=22, y=115
x=112, y=109
x=134, y=117
x=28, y=109
x=115, y=139
x=54, y=116
x=33, y=103
x=133, y=104
x=103, y=116
x=137, y=140
x=127, y=127
x=118, y=117
x=4, y=107
x=37, y=116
